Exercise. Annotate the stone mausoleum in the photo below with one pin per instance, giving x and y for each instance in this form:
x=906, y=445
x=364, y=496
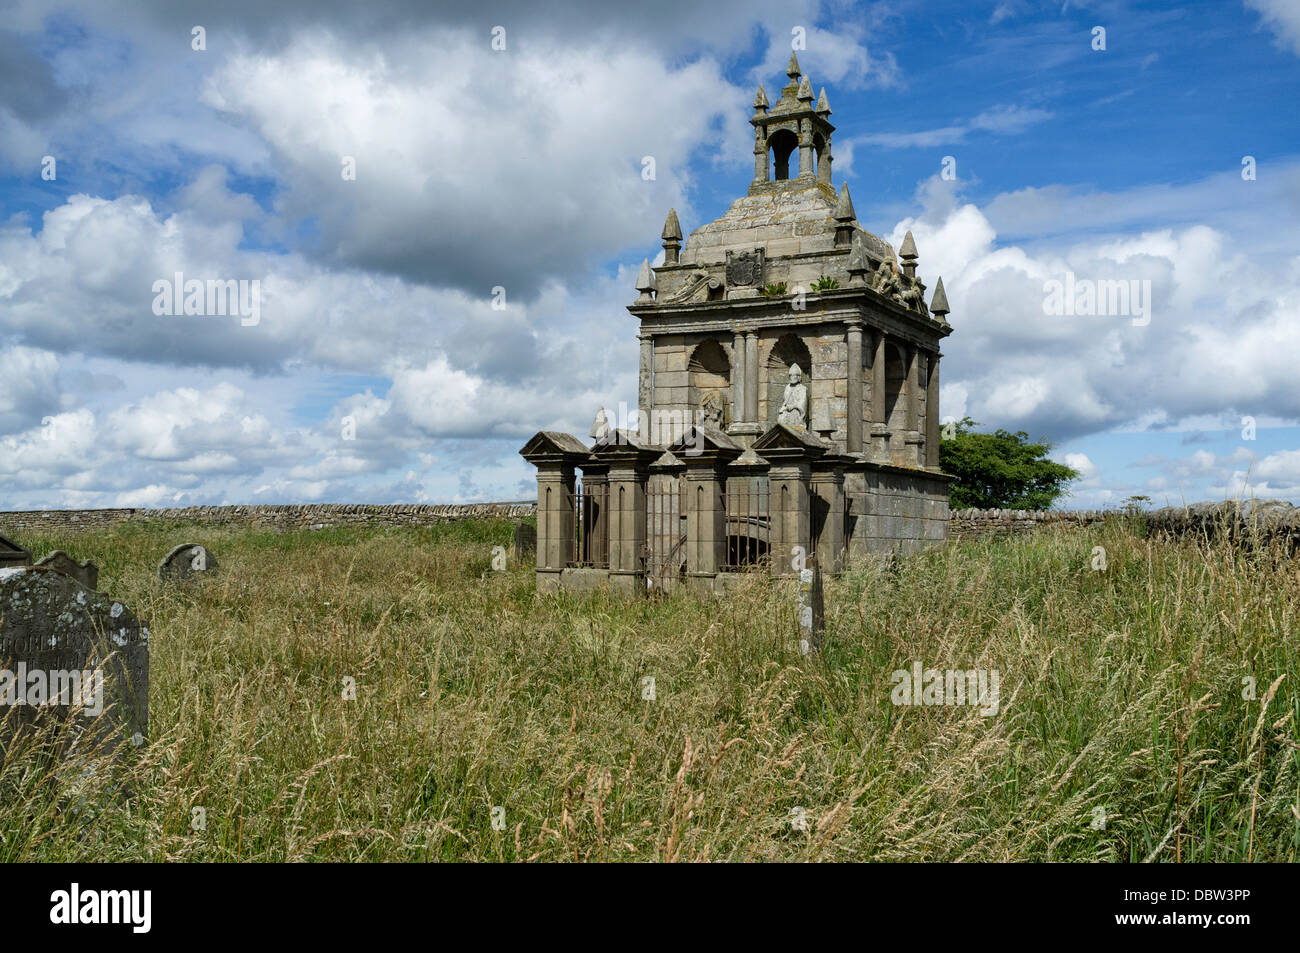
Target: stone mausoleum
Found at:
x=788, y=402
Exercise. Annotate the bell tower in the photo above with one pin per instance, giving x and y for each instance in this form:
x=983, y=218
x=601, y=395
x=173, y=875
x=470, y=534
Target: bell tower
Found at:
x=792, y=140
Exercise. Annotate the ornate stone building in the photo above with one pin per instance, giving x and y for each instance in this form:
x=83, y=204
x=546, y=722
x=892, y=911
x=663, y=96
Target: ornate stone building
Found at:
x=788, y=391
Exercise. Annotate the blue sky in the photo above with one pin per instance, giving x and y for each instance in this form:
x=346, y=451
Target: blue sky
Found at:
x=378, y=369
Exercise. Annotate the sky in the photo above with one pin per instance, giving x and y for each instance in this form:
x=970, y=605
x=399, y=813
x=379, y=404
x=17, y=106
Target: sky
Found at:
x=444, y=207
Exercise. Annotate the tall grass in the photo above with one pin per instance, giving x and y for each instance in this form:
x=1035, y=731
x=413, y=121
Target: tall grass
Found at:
x=1122, y=734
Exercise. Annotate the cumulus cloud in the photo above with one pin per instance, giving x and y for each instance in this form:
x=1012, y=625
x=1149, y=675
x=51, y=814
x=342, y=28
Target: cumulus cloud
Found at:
x=475, y=169
x=1214, y=309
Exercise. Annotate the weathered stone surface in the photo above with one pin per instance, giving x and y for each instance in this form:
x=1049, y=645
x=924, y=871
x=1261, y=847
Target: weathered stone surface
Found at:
x=186, y=562
x=85, y=572
x=55, y=634
x=525, y=542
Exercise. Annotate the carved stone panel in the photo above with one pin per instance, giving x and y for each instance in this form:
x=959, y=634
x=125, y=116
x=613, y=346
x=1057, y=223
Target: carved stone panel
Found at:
x=745, y=268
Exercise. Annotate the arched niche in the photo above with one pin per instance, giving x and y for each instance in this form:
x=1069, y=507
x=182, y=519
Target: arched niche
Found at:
x=895, y=388
x=782, y=143
x=709, y=381
x=788, y=349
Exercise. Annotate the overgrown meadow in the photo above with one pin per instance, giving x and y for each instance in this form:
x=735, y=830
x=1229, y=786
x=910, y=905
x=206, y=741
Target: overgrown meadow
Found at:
x=1147, y=711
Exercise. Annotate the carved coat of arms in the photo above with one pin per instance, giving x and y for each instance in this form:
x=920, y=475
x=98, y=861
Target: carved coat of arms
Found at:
x=745, y=268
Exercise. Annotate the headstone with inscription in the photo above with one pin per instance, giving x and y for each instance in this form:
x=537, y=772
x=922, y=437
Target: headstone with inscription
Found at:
x=70, y=655
x=187, y=562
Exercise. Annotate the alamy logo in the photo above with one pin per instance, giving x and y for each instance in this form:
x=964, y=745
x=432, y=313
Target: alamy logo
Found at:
x=1104, y=297
x=215, y=297
x=933, y=686
x=35, y=686
x=103, y=906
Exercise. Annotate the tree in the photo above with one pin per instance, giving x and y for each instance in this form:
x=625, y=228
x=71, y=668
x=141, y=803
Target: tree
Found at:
x=1000, y=470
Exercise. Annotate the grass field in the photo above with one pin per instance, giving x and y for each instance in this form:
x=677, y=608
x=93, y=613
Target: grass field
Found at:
x=1122, y=732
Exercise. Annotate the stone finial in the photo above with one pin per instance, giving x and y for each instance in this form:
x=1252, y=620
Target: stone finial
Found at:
x=844, y=207
x=907, y=252
x=672, y=228
x=792, y=70
x=939, y=303
x=844, y=216
x=805, y=93
x=672, y=236
x=859, y=263
x=908, y=248
x=823, y=104
x=760, y=100
x=645, y=283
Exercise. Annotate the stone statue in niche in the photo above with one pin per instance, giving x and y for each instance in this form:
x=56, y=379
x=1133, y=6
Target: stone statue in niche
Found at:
x=712, y=412
x=794, y=401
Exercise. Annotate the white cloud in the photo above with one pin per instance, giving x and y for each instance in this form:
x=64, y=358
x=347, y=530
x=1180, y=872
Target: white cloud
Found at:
x=1283, y=18
x=476, y=169
x=1003, y=119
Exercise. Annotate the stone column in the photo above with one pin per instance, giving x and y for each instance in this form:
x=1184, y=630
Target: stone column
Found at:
x=790, y=508
x=878, y=382
x=879, y=398
x=806, y=170
x=705, y=502
x=853, y=425
x=824, y=166
x=827, y=489
x=761, y=157
x=556, y=539
x=629, y=471
x=738, y=376
x=627, y=527
x=932, y=415
x=645, y=384
x=595, y=516
x=751, y=376
x=913, y=438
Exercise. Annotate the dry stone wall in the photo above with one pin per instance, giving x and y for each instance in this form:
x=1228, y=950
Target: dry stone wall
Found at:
x=976, y=522
x=1273, y=517
x=1264, y=518
x=292, y=516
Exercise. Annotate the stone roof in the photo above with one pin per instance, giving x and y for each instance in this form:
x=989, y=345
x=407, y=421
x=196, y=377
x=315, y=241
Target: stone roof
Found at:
x=784, y=222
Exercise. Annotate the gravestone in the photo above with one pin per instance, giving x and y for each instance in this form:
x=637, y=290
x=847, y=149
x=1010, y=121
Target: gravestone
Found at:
x=85, y=572
x=525, y=543
x=11, y=554
x=812, y=611
x=186, y=562
x=70, y=655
